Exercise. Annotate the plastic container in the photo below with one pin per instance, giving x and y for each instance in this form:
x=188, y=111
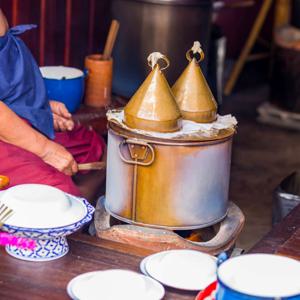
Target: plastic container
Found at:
x=167, y=26
x=286, y=197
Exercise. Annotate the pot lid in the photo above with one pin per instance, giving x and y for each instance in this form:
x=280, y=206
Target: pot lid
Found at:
x=191, y=91
x=153, y=106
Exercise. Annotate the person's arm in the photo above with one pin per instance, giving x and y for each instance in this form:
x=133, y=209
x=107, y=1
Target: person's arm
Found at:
x=3, y=24
x=15, y=131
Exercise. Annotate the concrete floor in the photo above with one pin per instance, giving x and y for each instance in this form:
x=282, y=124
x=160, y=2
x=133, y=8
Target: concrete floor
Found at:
x=262, y=156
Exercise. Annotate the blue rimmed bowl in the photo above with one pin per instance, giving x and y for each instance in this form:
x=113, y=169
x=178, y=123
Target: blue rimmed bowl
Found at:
x=258, y=277
x=64, y=84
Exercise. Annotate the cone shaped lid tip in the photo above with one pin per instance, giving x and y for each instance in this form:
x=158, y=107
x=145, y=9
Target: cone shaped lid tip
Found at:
x=191, y=91
x=153, y=59
x=153, y=106
x=196, y=49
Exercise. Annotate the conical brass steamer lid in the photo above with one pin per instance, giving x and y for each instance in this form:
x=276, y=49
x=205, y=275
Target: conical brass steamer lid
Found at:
x=153, y=106
x=192, y=93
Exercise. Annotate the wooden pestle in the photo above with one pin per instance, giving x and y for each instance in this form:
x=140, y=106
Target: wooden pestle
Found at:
x=111, y=38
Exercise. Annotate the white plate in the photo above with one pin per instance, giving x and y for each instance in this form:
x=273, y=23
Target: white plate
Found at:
x=182, y=269
x=143, y=265
x=114, y=285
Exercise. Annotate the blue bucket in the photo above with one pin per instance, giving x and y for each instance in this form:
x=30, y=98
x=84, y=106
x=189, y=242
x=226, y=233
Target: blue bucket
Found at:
x=258, y=277
x=64, y=84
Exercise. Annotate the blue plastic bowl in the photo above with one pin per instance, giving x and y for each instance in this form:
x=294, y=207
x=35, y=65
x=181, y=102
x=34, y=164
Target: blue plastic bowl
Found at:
x=64, y=84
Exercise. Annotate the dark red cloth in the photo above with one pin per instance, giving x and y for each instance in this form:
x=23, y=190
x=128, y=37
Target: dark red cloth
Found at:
x=22, y=166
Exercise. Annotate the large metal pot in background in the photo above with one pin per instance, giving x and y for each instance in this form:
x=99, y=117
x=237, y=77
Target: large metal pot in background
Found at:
x=173, y=184
x=167, y=26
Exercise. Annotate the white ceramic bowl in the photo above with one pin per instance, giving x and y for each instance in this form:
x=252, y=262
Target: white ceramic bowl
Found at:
x=41, y=206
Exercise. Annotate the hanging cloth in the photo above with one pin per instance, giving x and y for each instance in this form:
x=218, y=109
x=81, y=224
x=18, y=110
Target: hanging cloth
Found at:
x=22, y=87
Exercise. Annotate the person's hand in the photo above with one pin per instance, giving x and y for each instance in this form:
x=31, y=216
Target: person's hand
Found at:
x=59, y=158
x=3, y=24
x=61, y=116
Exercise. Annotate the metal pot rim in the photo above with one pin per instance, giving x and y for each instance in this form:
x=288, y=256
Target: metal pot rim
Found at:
x=220, y=138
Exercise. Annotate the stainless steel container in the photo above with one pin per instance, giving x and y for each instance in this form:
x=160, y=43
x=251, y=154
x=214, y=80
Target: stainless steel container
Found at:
x=167, y=26
x=174, y=184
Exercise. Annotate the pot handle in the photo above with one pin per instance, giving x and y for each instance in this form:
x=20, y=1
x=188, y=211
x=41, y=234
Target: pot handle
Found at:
x=139, y=151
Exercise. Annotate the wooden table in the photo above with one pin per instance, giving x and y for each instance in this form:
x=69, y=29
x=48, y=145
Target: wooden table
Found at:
x=284, y=238
x=28, y=280
x=21, y=280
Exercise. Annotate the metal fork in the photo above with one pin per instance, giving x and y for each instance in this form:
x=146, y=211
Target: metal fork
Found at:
x=5, y=212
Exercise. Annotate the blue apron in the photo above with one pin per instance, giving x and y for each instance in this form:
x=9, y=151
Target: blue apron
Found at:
x=22, y=87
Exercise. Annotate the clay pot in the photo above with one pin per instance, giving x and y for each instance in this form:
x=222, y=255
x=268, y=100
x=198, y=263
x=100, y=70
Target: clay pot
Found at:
x=99, y=81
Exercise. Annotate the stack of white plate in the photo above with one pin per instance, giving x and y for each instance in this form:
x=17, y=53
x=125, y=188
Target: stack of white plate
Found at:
x=114, y=285
x=182, y=269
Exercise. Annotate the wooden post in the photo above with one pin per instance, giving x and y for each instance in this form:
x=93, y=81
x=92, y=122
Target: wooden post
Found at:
x=91, y=25
x=68, y=32
x=248, y=46
x=42, y=32
x=15, y=16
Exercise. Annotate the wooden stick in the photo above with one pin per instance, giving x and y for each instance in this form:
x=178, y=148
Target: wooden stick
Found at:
x=236, y=4
x=111, y=38
x=248, y=46
x=98, y=165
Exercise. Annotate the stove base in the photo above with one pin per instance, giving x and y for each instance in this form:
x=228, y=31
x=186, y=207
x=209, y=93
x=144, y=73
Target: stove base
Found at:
x=222, y=237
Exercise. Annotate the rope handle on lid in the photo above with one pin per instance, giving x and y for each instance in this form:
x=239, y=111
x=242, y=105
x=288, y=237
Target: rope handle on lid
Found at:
x=196, y=49
x=153, y=59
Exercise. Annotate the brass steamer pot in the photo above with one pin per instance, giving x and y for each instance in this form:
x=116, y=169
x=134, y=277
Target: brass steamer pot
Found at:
x=177, y=183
